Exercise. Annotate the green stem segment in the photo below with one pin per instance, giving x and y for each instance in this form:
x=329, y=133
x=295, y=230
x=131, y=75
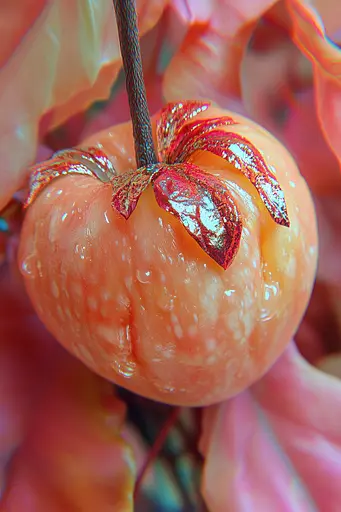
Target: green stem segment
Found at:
x=132, y=62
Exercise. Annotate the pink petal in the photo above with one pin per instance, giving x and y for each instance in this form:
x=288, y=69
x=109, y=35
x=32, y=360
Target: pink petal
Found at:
x=207, y=63
x=59, y=56
x=278, y=445
x=314, y=39
x=61, y=446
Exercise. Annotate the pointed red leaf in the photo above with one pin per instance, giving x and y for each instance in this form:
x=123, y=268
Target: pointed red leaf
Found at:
x=204, y=207
x=42, y=174
x=94, y=158
x=127, y=189
x=173, y=116
x=194, y=129
x=244, y=156
x=91, y=162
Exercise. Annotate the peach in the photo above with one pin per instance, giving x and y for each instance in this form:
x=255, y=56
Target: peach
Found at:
x=140, y=303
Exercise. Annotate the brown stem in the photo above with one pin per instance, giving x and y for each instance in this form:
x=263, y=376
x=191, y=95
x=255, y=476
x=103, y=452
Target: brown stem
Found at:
x=132, y=62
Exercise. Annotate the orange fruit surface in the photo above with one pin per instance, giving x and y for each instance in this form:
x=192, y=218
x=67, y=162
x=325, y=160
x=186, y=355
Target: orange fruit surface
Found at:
x=140, y=303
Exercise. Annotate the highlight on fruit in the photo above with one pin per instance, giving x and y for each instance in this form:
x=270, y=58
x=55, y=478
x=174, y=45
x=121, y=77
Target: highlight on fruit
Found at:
x=199, y=200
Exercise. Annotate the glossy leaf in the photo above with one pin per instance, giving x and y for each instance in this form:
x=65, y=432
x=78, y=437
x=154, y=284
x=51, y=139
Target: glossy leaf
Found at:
x=276, y=446
x=243, y=155
x=127, y=189
x=194, y=129
x=91, y=162
x=172, y=118
x=204, y=207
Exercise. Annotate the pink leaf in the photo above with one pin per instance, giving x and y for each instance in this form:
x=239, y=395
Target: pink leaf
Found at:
x=172, y=118
x=243, y=155
x=207, y=63
x=61, y=443
x=127, y=189
x=276, y=446
x=56, y=59
x=314, y=39
x=205, y=208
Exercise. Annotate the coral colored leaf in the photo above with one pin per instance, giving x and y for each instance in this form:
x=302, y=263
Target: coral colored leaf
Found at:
x=92, y=162
x=57, y=58
x=172, y=118
x=127, y=189
x=204, y=206
x=191, y=130
x=276, y=446
x=315, y=39
x=207, y=63
x=243, y=155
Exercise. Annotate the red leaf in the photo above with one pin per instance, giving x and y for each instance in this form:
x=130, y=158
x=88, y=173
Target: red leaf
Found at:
x=172, y=118
x=203, y=205
x=191, y=130
x=91, y=162
x=94, y=158
x=238, y=151
x=127, y=189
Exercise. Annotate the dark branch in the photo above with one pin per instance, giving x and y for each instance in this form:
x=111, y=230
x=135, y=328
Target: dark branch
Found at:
x=131, y=54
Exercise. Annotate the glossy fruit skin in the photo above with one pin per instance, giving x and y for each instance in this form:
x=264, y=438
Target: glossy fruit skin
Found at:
x=141, y=304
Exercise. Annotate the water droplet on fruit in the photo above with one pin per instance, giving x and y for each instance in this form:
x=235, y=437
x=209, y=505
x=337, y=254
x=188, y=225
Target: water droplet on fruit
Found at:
x=125, y=367
x=28, y=267
x=80, y=250
x=271, y=292
x=163, y=387
x=144, y=276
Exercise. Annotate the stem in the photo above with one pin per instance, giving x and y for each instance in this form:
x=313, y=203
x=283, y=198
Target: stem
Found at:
x=132, y=62
x=157, y=446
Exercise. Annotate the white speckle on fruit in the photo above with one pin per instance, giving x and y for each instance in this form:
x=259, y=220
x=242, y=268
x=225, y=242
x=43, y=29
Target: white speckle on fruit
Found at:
x=211, y=344
x=192, y=330
x=209, y=298
x=54, y=225
x=107, y=333
x=77, y=289
x=55, y=289
x=291, y=267
x=106, y=295
x=92, y=303
x=85, y=354
x=211, y=359
x=178, y=331
x=128, y=281
x=168, y=353
x=60, y=312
